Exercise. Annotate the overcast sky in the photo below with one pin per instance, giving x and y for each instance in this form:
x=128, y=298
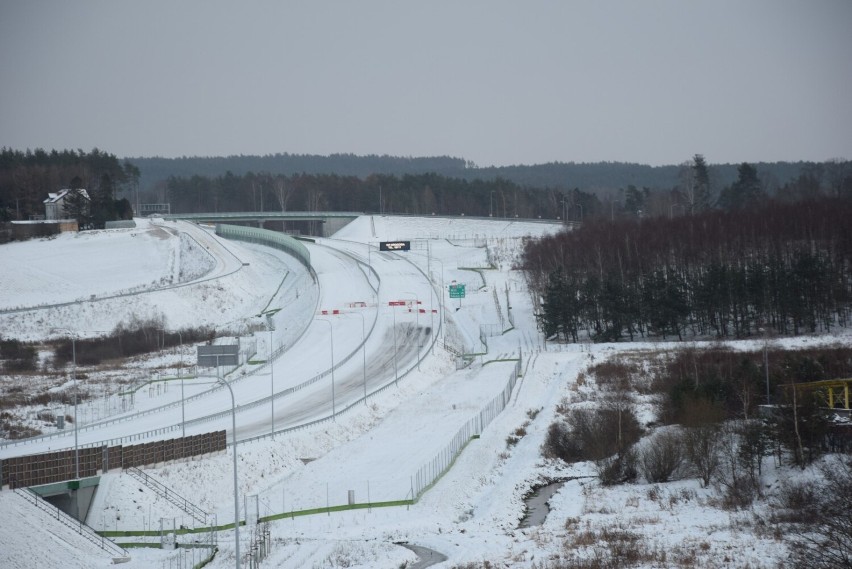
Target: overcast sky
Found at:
x=495, y=82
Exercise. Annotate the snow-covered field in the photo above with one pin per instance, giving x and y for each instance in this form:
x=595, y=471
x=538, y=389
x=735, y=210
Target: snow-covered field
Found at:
x=471, y=515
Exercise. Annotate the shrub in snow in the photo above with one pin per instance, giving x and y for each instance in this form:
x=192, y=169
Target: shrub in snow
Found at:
x=618, y=469
x=739, y=486
x=822, y=534
x=661, y=458
x=591, y=434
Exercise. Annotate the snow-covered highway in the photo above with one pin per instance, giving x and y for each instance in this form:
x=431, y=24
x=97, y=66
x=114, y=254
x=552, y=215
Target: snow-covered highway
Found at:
x=349, y=305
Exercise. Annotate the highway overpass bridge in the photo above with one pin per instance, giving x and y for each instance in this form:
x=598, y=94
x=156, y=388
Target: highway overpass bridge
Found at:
x=318, y=223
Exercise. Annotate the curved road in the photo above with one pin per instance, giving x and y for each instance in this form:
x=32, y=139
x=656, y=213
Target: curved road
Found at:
x=399, y=334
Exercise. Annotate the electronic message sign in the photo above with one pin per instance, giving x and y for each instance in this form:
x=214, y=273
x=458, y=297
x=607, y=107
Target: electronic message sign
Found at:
x=394, y=245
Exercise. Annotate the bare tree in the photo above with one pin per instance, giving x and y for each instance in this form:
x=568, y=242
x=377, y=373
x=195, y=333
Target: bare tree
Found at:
x=736, y=484
x=702, y=445
x=688, y=185
x=282, y=191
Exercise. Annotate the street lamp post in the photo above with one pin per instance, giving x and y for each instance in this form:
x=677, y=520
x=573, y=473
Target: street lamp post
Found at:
x=182, y=400
x=180, y=376
x=441, y=298
x=364, y=353
x=162, y=346
x=431, y=294
x=395, y=372
x=236, y=488
x=331, y=336
x=76, y=389
x=416, y=323
x=272, y=386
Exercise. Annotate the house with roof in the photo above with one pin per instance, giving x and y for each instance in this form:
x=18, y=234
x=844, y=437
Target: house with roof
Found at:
x=54, y=205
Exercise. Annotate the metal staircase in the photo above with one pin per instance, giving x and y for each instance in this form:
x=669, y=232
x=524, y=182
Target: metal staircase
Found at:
x=119, y=554
x=161, y=489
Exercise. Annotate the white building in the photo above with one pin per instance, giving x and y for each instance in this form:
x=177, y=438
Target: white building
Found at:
x=54, y=205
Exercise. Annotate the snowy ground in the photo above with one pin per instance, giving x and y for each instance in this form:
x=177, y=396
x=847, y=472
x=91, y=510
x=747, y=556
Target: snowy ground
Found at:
x=472, y=514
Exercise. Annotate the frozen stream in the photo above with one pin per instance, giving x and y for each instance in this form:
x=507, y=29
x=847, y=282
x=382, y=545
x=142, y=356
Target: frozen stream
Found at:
x=537, y=508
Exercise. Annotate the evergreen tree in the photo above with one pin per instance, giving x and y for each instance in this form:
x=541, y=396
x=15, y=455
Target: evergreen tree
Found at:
x=103, y=202
x=551, y=316
x=634, y=200
x=77, y=207
x=745, y=192
x=701, y=180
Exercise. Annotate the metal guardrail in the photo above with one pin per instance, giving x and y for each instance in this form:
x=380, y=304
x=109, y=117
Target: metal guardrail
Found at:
x=76, y=525
x=160, y=408
x=206, y=418
x=170, y=495
x=238, y=409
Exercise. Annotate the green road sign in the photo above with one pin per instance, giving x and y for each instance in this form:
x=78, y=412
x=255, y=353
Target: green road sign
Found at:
x=457, y=291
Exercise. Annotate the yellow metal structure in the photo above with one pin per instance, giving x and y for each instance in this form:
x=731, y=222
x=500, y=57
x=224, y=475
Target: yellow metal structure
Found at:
x=836, y=389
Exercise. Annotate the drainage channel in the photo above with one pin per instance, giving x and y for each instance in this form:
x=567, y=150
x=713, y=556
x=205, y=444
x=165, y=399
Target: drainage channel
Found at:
x=537, y=507
x=536, y=504
x=425, y=557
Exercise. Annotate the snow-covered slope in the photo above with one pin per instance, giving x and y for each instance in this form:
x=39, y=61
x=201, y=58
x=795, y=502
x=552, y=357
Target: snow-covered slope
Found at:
x=471, y=514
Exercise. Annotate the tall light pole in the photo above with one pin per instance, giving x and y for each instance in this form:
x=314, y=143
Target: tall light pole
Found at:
x=76, y=389
x=331, y=336
x=180, y=375
x=364, y=353
x=236, y=488
x=161, y=345
x=272, y=386
x=416, y=323
x=441, y=298
x=431, y=293
x=395, y=372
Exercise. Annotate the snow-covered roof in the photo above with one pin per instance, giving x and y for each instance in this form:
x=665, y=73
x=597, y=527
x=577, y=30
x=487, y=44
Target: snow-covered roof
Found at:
x=54, y=197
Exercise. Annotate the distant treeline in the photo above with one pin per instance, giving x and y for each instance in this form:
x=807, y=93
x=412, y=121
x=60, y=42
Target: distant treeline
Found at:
x=440, y=185
x=776, y=268
x=156, y=170
x=421, y=194
x=697, y=190
x=598, y=177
